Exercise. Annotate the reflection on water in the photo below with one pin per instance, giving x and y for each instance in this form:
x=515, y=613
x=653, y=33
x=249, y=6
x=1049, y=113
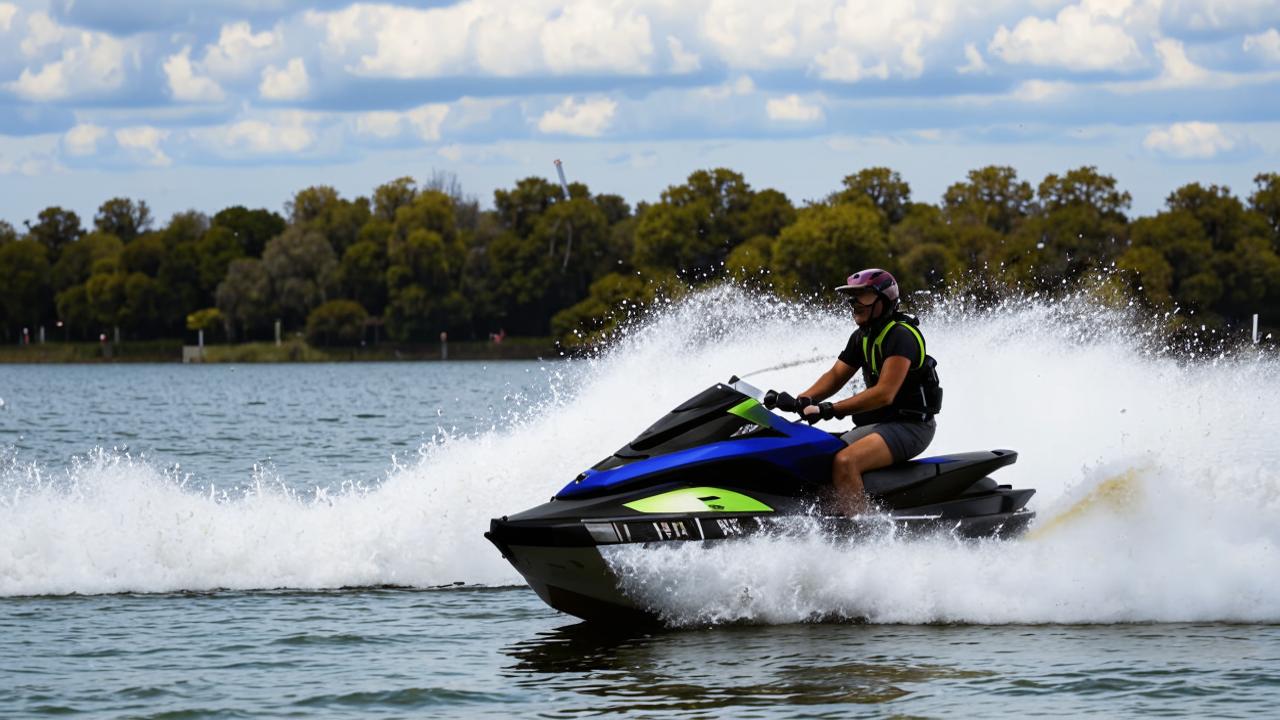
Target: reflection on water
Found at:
x=715, y=669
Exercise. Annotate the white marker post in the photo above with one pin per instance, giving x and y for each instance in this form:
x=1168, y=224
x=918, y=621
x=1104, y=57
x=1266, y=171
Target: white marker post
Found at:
x=1255, y=328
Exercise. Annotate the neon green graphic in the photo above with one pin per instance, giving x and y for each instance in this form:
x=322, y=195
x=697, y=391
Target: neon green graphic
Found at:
x=698, y=499
x=752, y=411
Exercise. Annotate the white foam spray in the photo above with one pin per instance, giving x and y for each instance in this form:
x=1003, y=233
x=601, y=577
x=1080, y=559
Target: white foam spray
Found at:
x=1083, y=394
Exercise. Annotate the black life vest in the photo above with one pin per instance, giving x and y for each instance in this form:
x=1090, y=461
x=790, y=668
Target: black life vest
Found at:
x=920, y=396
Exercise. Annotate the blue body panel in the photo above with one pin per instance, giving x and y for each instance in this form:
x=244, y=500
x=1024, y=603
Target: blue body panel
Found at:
x=801, y=442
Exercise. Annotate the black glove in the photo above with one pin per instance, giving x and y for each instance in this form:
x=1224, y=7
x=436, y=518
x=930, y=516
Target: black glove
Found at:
x=825, y=411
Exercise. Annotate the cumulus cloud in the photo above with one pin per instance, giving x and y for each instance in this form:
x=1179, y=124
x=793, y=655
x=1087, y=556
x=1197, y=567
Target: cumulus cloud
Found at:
x=143, y=142
x=1040, y=90
x=490, y=37
x=590, y=118
x=185, y=85
x=742, y=85
x=1264, y=45
x=1088, y=36
x=288, y=83
x=90, y=63
x=682, y=60
x=973, y=61
x=237, y=51
x=82, y=140
x=424, y=122
x=1189, y=140
x=290, y=134
x=1219, y=15
x=8, y=11
x=874, y=38
x=792, y=109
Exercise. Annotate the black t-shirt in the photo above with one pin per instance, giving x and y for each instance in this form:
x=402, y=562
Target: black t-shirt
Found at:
x=909, y=402
x=899, y=341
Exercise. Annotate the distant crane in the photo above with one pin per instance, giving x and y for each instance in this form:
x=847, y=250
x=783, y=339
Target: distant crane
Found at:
x=568, y=248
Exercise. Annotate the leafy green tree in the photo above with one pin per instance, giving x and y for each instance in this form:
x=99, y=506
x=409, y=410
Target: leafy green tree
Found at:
x=144, y=255
x=252, y=228
x=245, y=298
x=105, y=293
x=615, y=207
x=749, y=262
x=25, y=297
x=993, y=196
x=54, y=229
x=390, y=197
x=123, y=218
x=1149, y=275
x=1220, y=214
x=697, y=224
x=519, y=208
x=215, y=251
x=185, y=227
x=1265, y=201
x=884, y=187
x=75, y=265
x=7, y=233
x=825, y=244
x=302, y=268
x=362, y=275
x=337, y=322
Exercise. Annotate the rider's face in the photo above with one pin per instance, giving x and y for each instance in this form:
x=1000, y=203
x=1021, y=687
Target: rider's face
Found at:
x=863, y=304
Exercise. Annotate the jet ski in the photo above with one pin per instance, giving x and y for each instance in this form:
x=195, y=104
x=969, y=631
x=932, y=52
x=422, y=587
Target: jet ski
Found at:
x=721, y=467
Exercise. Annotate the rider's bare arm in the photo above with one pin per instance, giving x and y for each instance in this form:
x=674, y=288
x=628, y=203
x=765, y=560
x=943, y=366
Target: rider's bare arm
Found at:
x=895, y=371
x=831, y=381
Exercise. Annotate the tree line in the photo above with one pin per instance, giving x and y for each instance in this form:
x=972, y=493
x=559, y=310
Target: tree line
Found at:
x=412, y=260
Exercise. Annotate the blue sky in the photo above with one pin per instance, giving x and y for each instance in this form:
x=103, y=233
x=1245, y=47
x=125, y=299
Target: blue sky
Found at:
x=207, y=104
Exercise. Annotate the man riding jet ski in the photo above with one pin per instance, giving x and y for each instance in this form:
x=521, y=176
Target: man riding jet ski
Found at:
x=720, y=467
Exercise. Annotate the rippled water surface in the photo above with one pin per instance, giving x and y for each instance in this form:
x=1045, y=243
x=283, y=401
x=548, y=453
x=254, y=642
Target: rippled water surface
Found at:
x=305, y=540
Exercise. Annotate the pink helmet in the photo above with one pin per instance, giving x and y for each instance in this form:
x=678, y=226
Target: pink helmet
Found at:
x=872, y=279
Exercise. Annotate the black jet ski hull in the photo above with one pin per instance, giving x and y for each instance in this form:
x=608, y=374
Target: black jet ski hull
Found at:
x=565, y=565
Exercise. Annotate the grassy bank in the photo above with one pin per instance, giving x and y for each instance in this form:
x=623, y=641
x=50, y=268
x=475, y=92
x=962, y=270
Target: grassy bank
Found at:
x=294, y=350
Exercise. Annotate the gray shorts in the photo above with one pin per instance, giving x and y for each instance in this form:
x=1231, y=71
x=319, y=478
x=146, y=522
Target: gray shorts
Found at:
x=905, y=439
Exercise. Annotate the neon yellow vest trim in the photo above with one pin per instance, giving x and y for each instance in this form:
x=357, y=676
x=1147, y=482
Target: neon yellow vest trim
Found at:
x=878, y=350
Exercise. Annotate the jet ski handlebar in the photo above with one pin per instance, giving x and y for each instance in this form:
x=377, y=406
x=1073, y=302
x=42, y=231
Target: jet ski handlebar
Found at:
x=780, y=400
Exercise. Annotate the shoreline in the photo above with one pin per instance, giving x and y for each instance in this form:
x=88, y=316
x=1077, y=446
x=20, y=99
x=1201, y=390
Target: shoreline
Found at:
x=292, y=351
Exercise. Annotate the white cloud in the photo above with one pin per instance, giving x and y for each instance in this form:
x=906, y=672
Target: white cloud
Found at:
x=757, y=35
x=1218, y=15
x=90, y=64
x=593, y=37
x=1264, y=45
x=8, y=11
x=1189, y=140
x=742, y=85
x=82, y=139
x=42, y=32
x=489, y=36
x=1040, y=90
x=258, y=137
x=452, y=153
x=973, y=61
x=682, y=60
x=185, y=85
x=380, y=124
x=590, y=118
x=289, y=83
x=792, y=109
x=237, y=51
x=144, y=141
x=874, y=38
x=425, y=121
x=1088, y=36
